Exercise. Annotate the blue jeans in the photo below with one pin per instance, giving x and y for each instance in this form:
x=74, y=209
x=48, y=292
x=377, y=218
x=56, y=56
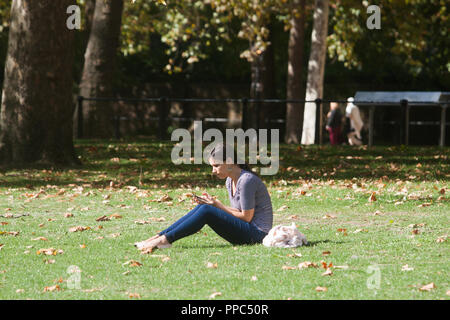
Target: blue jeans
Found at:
x=226, y=225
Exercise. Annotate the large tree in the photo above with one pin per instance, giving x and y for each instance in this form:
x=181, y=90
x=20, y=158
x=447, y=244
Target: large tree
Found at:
x=316, y=69
x=37, y=105
x=294, y=111
x=100, y=67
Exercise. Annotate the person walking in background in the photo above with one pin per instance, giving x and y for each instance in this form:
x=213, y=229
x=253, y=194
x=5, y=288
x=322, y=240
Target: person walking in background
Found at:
x=333, y=125
x=352, y=114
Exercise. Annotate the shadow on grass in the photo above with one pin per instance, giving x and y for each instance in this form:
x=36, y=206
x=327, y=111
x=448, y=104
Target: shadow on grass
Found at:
x=315, y=243
x=149, y=163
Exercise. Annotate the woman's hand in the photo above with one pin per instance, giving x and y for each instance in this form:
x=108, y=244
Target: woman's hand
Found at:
x=207, y=199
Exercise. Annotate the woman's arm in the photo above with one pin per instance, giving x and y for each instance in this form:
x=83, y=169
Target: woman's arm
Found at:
x=245, y=215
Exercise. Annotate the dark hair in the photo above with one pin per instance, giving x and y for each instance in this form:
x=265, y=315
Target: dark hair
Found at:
x=220, y=152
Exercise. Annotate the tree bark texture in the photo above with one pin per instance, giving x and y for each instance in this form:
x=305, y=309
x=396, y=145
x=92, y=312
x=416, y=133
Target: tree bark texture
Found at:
x=294, y=111
x=99, y=69
x=37, y=106
x=316, y=69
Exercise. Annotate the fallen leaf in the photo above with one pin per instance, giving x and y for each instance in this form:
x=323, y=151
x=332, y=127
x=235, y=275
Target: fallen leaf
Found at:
x=52, y=288
x=40, y=238
x=254, y=278
x=132, y=263
x=115, y=216
x=83, y=246
x=340, y=267
x=328, y=272
x=321, y=289
x=441, y=239
x=328, y=216
x=288, y=268
x=307, y=264
x=134, y=295
x=372, y=197
x=215, y=294
x=49, y=251
x=282, y=208
x=79, y=228
x=10, y=233
x=211, y=265
x=428, y=287
x=103, y=218
x=326, y=253
x=68, y=215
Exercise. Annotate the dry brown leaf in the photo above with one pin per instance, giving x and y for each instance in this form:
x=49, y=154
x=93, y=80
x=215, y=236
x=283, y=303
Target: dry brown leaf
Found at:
x=428, y=287
x=68, y=215
x=441, y=239
x=328, y=216
x=103, y=218
x=328, y=272
x=326, y=253
x=147, y=250
x=79, y=228
x=211, y=265
x=372, y=197
x=115, y=216
x=40, y=238
x=49, y=251
x=56, y=287
x=10, y=233
x=307, y=264
x=282, y=208
x=134, y=295
x=288, y=268
x=215, y=294
x=321, y=289
x=132, y=263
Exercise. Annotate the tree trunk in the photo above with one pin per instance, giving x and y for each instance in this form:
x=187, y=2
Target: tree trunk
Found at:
x=316, y=68
x=37, y=107
x=294, y=111
x=262, y=69
x=89, y=10
x=99, y=68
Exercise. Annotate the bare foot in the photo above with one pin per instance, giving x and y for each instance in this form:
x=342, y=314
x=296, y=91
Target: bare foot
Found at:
x=145, y=243
x=163, y=243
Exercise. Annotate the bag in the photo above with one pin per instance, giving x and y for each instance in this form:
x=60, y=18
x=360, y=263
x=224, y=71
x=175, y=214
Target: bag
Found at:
x=284, y=237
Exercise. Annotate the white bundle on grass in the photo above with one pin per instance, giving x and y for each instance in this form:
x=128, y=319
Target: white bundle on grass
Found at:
x=284, y=237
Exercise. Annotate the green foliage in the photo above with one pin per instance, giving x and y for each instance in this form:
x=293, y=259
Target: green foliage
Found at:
x=413, y=32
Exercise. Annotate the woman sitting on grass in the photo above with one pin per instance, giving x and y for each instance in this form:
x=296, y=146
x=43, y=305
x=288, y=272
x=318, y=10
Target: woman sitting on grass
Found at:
x=247, y=221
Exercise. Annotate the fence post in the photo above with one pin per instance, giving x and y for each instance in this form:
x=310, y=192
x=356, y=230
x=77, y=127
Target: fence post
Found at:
x=80, y=117
x=318, y=135
x=405, y=108
x=162, y=113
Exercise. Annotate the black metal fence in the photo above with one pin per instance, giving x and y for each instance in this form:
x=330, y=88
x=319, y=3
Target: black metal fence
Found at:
x=164, y=103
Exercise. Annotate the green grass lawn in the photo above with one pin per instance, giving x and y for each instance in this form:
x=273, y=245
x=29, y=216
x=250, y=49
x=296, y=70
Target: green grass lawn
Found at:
x=325, y=191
